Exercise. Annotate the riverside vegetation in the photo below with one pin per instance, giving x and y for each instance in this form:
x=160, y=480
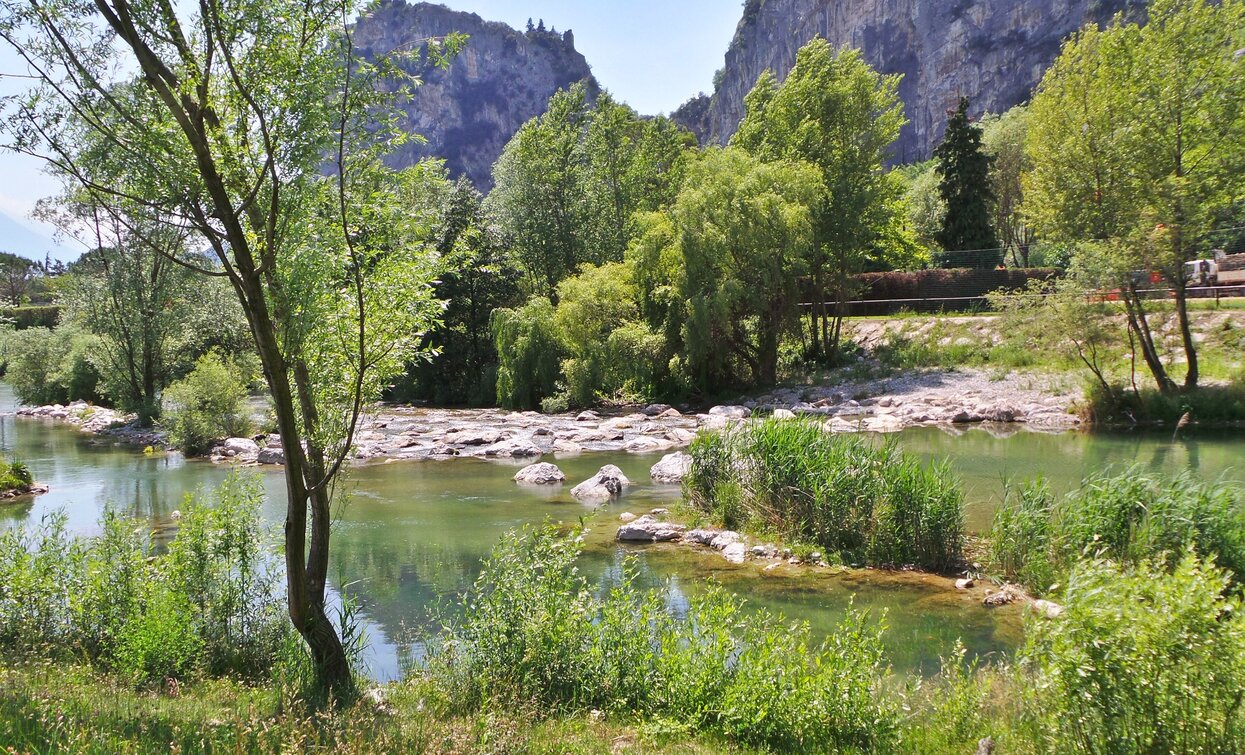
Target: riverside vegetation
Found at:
x=189, y=637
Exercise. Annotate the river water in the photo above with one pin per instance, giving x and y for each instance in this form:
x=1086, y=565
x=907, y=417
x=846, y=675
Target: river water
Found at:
x=414, y=533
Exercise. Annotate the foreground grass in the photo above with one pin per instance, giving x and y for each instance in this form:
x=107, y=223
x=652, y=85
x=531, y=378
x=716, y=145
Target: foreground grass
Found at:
x=47, y=707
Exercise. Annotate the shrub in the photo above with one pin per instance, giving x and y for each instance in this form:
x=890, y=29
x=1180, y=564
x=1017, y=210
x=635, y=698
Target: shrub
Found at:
x=535, y=633
x=211, y=603
x=1148, y=658
x=862, y=502
x=1131, y=517
x=50, y=366
x=208, y=405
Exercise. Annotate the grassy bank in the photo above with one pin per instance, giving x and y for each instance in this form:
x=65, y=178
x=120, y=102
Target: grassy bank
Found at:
x=113, y=646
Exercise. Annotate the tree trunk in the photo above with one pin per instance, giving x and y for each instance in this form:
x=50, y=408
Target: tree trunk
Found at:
x=1138, y=323
x=306, y=569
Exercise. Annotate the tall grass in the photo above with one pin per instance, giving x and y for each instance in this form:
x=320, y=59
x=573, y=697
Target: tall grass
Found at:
x=209, y=604
x=535, y=633
x=1036, y=537
x=860, y=501
x=14, y=476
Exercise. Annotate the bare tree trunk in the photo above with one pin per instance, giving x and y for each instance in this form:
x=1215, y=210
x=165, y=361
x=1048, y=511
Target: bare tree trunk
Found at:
x=1186, y=336
x=1138, y=323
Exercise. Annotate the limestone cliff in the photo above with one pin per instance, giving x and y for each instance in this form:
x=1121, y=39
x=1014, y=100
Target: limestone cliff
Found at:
x=992, y=51
x=502, y=79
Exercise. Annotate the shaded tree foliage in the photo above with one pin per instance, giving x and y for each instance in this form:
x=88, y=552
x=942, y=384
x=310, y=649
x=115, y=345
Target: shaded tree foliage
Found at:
x=477, y=277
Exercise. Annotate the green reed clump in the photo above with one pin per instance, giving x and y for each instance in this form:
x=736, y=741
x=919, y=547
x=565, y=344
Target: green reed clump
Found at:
x=1037, y=537
x=208, y=604
x=1146, y=658
x=535, y=631
x=861, y=501
x=14, y=475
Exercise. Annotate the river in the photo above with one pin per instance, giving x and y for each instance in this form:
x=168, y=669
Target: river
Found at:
x=414, y=533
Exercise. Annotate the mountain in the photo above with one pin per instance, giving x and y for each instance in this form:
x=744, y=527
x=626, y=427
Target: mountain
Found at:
x=502, y=79
x=992, y=51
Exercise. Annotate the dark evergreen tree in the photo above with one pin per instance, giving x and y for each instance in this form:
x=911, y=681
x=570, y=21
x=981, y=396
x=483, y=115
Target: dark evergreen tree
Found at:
x=530, y=26
x=967, y=234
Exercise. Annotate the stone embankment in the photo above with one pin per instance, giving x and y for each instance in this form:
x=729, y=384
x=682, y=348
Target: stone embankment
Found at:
x=937, y=398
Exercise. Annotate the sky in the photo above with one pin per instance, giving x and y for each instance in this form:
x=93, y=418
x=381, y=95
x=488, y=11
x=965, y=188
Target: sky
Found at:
x=652, y=54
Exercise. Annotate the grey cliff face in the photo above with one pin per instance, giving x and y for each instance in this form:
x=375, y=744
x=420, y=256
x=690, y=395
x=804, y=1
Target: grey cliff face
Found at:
x=500, y=80
x=992, y=51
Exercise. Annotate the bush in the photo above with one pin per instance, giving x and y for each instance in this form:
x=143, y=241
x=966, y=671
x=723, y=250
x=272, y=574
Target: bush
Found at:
x=1145, y=659
x=861, y=502
x=534, y=633
x=208, y=405
x=1130, y=518
x=38, y=316
x=50, y=366
x=211, y=604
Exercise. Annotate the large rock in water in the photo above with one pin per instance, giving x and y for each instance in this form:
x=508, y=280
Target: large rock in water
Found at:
x=647, y=529
x=671, y=469
x=992, y=51
x=608, y=482
x=502, y=79
x=540, y=474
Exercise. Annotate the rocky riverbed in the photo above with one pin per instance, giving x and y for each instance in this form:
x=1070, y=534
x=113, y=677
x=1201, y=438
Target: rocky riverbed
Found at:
x=947, y=398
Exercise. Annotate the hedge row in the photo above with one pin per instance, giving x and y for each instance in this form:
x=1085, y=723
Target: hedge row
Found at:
x=954, y=290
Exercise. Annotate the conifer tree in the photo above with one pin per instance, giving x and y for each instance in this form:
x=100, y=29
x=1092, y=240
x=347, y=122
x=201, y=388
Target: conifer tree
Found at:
x=967, y=232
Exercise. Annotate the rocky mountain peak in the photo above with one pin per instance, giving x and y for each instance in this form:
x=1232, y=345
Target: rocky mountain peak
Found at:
x=992, y=51
x=501, y=79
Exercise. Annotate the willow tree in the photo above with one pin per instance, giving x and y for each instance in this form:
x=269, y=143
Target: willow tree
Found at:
x=1137, y=138
x=255, y=124
x=836, y=112
x=718, y=271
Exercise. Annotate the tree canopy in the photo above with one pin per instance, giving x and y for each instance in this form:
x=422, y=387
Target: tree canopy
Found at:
x=835, y=112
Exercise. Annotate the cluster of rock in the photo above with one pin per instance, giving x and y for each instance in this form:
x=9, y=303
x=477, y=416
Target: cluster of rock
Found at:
x=943, y=398
x=609, y=482
x=98, y=420
x=249, y=451
x=1010, y=593
x=654, y=528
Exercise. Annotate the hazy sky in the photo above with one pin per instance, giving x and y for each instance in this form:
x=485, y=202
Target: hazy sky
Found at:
x=652, y=54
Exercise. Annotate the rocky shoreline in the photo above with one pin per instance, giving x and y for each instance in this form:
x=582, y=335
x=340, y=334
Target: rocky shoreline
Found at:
x=938, y=398
x=736, y=548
